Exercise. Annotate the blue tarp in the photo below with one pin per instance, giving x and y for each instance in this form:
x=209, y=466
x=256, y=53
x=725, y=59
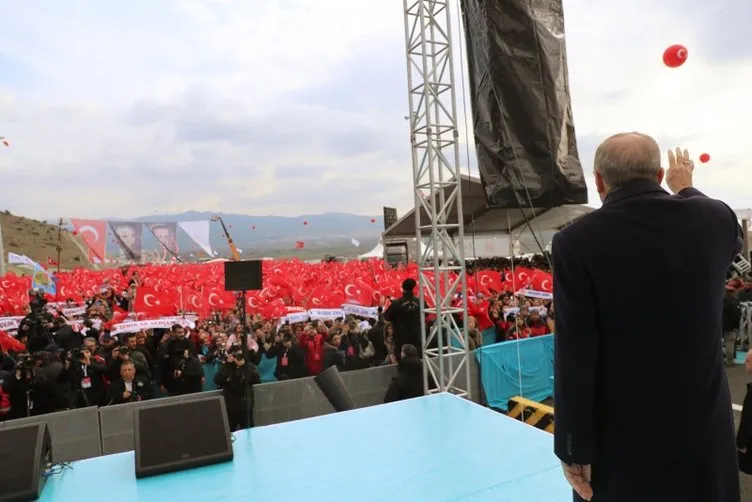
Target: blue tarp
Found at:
x=517, y=368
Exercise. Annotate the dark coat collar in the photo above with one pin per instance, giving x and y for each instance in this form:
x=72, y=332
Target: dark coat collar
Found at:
x=632, y=189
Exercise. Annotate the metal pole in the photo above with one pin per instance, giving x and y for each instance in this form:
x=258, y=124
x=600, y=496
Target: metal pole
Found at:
x=59, y=243
x=745, y=235
x=435, y=159
x=2, y=254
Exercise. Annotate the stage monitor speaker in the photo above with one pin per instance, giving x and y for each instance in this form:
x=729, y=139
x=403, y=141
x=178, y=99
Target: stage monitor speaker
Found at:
x=178, y=436
x=331, y=385
x=25, y=453
x=243, y=275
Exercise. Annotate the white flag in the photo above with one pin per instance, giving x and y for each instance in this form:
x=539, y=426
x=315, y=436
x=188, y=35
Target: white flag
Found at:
x=355, y=243
x=20, y=259
x=199, y=232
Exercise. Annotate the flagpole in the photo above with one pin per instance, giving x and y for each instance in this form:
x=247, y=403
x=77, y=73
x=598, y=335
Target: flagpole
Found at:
x=59, y=243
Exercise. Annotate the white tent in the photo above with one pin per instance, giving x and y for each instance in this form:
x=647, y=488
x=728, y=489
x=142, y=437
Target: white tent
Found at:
x=377, y=252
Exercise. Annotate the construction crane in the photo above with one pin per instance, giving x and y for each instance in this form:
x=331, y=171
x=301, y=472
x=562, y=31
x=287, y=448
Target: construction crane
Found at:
x=233, y=249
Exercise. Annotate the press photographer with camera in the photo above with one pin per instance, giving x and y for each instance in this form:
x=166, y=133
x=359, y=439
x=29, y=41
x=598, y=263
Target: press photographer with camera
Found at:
x=130, y=387
x=27, y=388
x=37, y=325
x=181, y=371
x=236, y=377
x=85, y=375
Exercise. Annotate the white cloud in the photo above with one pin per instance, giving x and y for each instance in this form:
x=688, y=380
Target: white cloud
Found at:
x=118, y=110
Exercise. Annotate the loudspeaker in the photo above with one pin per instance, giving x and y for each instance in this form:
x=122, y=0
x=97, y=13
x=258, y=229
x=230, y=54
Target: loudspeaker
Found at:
x=178, y=436
x=243, y=275
x=25, y=453
x=331, y=384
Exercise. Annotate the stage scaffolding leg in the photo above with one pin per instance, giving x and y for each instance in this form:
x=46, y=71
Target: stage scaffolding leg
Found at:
x=438, y=194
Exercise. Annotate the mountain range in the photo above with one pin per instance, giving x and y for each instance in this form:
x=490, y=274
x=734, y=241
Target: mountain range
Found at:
x=259, y=233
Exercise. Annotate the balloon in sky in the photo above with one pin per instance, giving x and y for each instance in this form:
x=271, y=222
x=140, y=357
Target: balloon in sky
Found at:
x=705, y=158
x=305, y=222
x=373, y=220
x=253, y=227
x=675, y=56
x=5, y=140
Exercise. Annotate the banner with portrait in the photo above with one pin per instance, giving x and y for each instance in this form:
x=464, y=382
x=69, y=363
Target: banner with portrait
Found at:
x=166, y=234
x=129, y=236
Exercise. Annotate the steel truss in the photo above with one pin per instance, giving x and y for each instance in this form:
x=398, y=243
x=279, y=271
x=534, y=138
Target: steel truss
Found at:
x=436, y=181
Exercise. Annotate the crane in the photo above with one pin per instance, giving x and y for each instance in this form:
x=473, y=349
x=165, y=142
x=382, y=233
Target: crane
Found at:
x=233, y=249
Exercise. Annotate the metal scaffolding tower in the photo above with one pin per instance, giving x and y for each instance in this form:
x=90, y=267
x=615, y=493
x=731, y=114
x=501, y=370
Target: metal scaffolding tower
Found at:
x=437, y=185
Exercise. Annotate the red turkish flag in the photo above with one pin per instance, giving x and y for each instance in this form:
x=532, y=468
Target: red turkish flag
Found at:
x=94, y=233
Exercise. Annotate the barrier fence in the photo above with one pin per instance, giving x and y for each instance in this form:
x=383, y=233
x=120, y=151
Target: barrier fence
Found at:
x=745, y=326
x=91, y=432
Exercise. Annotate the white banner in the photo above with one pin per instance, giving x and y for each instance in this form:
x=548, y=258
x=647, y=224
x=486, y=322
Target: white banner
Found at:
x=164, y=323
x=199, y=232
x=357, y=310
x=74, y=311
x=531, y=293
x=10, y=323
x=326, y=314
x=295, y=317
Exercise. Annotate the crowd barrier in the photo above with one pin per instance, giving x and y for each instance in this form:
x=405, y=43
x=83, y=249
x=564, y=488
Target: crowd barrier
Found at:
x=92, y=432
x=532, y=413
x=745, y=326
x=517, y=368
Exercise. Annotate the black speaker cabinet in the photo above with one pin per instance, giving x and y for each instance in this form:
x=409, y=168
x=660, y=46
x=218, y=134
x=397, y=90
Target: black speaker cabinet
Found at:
x=333, y=387
x=243, y=275
x=178, y=436
x=25, y=453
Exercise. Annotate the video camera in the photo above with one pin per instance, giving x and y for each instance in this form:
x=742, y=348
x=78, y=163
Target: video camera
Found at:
x=25, y=364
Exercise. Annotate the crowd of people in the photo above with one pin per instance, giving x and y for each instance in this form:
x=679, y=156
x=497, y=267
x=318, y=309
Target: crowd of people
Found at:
x=53, y=364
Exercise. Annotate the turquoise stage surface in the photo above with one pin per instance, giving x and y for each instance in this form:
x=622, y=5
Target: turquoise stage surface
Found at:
x=434, y=449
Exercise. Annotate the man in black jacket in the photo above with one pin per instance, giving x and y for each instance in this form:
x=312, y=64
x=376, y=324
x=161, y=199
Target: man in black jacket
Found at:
x=404, y=314
x=130, y=387
x=409, y=380
x=610, y=367
x=236, y=378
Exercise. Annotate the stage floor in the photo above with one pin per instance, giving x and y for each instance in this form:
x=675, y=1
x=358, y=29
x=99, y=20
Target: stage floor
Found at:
x=433, y=449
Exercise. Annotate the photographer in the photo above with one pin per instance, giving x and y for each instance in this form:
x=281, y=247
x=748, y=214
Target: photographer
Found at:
x=38, y=323
x=181, y=371
x=130, y=387
x=235, y=377
x=290, y=357
x=27, y=389
x=84, y=374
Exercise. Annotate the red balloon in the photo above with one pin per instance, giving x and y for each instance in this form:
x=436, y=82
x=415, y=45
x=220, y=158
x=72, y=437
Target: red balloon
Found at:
x=704, y=158
x=373, y=220
x=675, y=56
x=305, y=222
x=75, y=232
x=253, y=227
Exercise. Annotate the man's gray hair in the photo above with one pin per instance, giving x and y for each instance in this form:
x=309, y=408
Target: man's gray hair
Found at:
x=627, y=157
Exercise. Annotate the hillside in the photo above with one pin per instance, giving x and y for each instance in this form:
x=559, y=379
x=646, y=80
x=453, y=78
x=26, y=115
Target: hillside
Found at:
x=38, y=240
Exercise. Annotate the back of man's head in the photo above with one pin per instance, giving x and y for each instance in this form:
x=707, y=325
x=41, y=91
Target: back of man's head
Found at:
x=626, y=157
x=409, y=350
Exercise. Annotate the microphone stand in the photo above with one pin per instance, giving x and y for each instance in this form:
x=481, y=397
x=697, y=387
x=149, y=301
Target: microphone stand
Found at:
x=246, y=356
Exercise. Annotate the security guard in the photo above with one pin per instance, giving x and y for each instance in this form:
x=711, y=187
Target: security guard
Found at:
x=404, y=314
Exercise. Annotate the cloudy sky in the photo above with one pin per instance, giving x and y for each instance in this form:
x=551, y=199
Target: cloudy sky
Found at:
x=297, y=106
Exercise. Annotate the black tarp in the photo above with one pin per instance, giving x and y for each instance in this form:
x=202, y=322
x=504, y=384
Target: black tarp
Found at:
x=522, y=112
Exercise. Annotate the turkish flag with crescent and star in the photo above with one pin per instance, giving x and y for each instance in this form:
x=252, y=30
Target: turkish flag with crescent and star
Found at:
x=94, y=234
